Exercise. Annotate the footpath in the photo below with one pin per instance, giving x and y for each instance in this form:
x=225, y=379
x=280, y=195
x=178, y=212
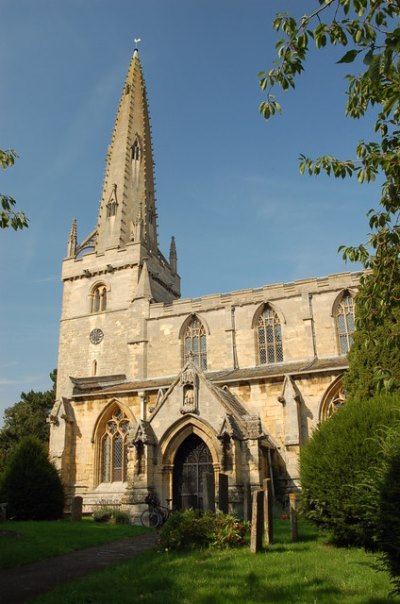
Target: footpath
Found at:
x=19, y=584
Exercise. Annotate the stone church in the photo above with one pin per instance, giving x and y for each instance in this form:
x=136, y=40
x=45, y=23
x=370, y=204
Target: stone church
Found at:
x=154, y=390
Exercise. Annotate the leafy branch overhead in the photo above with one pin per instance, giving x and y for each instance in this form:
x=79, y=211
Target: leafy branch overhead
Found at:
x=9, y=217
x=369, y=33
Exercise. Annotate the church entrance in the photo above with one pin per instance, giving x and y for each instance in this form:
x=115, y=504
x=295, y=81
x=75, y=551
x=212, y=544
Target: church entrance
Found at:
x=192, y=461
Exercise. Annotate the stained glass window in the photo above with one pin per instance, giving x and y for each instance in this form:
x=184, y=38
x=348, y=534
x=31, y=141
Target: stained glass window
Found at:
x=114, y=450
x=269, y=337
x=195, y=344
x=345, y=323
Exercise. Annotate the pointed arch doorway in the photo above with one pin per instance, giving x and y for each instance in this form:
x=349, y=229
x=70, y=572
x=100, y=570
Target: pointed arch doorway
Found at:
x=192, y=461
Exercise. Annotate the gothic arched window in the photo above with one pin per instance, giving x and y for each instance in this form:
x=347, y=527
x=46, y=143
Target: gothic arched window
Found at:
x=195, y=343
x=113, y=448
x=269, y=337
x=99, y=298
x=344, y=318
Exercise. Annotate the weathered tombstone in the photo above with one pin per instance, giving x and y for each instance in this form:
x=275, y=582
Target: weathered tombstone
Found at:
x=257, y=521
x=208, y=492
x=268, y=523
x=293, y=515
x=247, y=502
x=3, y=512
x=223, y=493
x=76, y=509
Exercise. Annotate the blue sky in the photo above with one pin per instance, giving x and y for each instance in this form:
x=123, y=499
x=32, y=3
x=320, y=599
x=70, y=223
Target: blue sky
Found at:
x=228, y=184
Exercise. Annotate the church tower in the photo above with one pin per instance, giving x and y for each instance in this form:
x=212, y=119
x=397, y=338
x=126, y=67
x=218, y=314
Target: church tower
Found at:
x=113, y=276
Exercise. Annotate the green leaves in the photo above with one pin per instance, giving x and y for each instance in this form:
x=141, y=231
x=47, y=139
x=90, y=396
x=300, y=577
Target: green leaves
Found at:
x=8, y=216
x=349, y=56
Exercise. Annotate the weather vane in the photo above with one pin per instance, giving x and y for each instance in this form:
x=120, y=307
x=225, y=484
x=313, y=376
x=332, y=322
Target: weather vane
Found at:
x=137, y=40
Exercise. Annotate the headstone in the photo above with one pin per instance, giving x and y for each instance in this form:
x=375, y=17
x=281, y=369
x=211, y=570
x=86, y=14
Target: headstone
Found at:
x=247, y=502
x=76, y=509
x=257, y=521
x=268, y=522
x=208, y=492
x=293, y=516
x=223, y=493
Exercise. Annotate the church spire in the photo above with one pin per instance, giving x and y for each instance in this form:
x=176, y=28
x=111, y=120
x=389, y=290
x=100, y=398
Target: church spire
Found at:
x=128, y=189
x=72, y=240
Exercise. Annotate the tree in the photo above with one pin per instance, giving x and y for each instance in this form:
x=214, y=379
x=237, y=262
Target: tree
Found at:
x=26, y=418
x=30, y=484
x=9, y=217
x=336, y=466
x=370, y=31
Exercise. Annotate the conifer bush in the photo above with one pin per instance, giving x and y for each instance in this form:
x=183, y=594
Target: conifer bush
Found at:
x=340, y=455
x=30, y=484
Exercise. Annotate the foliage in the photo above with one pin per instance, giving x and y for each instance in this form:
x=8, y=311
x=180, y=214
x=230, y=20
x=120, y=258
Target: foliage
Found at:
x=191, y=529
x=369, y=29
x=28, y=541
x=379, y=492
x=9, y=217
x=307, y=571
x=341, y=453
x=30, y=484
x=26, y=418
x=110, y=514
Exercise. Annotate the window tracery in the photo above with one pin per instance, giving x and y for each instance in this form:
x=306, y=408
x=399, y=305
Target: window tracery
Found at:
x=113, y=448
x=344, y=317
x=195, y=343
x=269, y=334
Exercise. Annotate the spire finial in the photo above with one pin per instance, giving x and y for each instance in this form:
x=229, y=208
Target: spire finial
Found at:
x=137, y=40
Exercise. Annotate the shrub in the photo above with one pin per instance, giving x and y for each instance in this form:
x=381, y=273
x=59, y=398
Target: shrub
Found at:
x=191, y=529
x=337, y=459
x=111, y=514
x=30, y=484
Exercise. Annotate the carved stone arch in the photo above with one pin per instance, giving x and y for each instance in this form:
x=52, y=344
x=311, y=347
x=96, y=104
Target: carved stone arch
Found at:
x=268, y=338
x=260, y=310
x=339, y=297
x=187, y=322
x=180, y=430
x=99, y=435
x=333, y=398
x=101, y=289
x=106, y=413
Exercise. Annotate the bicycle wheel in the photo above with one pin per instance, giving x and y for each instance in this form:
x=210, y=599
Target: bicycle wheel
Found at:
x=150, y=519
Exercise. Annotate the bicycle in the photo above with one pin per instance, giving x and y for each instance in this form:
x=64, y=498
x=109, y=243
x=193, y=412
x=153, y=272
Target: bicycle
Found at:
x=156, y=514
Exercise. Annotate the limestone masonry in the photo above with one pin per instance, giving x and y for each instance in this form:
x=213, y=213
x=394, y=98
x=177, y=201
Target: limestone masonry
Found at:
x=154, y=391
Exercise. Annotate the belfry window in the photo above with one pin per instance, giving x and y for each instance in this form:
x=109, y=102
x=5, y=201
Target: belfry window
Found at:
x=111, y=208
x=113, y=448
x=344, y=317
x=269, y=337
x=99, y=298
x=195, y=343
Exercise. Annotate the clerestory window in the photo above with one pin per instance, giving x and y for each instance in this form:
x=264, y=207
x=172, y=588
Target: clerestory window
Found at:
x=344, y=316
x=195, y=343
x=269, y=337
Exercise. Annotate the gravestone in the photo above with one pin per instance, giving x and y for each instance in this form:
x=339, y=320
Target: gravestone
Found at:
x=208, y=492
x=247, y=502
x=257, y=521
x=76, y=509
x=293, y=515
x=268, y=523
x=223, y=493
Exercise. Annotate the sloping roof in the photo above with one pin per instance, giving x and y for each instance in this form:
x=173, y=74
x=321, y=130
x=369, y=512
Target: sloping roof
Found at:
x=117, y=383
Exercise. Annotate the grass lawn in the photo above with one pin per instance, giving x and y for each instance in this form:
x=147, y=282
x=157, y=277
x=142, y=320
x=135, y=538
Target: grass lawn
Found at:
x=23, y=542
x=309, y=571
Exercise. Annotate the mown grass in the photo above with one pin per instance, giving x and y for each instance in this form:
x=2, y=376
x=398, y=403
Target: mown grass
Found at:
x=309, y=571
x=23, y=542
